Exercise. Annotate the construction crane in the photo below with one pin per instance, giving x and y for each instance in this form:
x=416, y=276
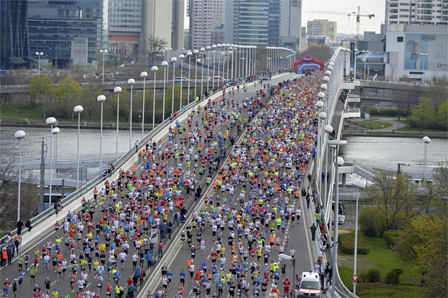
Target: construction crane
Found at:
x=349, y=14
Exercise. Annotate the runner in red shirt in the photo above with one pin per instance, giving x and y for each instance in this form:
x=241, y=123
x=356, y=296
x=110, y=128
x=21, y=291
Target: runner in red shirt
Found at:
x=286, y=285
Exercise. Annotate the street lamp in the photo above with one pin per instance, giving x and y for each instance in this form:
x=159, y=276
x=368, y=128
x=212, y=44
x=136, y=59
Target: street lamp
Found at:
x=104, y=52
x=228, y=62
x=213, y=76
x=208, y=48
x=117, y=90
x=189, y=53
x=101, y=99
x=322, y=118
x=130, y=82
x=339, y=161
x=154, y=69
x=358, y=184
x=78, y=109
x=38, y=69
x=426, y=140
x=181, y=58
x=195, y=72
x=20, y=134
x=286, y=257
x=56, y=131
x=202, y=72
x=173, y=60
x=164, y=65
x=144, y=74
x=51, y=121
x=219, y=61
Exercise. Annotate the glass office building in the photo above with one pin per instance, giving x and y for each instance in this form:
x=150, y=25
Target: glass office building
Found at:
x=54, y=24
x=14, y=48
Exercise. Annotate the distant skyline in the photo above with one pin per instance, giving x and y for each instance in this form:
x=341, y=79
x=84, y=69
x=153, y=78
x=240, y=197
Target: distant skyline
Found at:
x=345, y=25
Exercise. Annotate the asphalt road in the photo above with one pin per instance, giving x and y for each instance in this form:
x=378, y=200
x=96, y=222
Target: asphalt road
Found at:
x=63, y=286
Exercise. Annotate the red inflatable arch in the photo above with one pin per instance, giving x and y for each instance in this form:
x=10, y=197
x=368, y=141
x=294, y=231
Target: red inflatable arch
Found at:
x=307, y=59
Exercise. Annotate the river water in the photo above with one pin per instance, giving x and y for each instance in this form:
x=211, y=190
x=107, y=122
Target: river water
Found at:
x=386, y=152
x=380, y=152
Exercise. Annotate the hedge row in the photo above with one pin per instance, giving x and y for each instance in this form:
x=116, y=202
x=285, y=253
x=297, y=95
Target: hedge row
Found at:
x=347, y=243
x=390, y=237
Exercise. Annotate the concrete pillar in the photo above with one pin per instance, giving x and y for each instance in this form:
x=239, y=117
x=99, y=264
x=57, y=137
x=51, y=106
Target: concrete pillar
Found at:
x=344, y=180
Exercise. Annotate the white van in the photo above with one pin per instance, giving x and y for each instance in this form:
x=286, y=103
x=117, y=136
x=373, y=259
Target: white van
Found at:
x=309, y=285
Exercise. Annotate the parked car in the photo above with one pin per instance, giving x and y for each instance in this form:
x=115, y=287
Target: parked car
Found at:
x=180, y=79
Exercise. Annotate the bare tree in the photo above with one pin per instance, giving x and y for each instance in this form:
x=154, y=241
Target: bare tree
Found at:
x=155, y=47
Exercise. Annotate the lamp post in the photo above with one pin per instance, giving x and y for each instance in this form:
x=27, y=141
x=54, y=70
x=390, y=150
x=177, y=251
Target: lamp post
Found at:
x=164, y=65
x=20, y=134
x=328, y=129
x=189, y=53
x=79, y=110
x=213, y=75
x=181, y=58
x=242, y=63
x=286, y=257
x=268, y=65
x=130, y=82
x=208, y=48
x=173, y=60
x=38, y=66
x=202, y=71
x=319, y=105
x=195, y=52
x=358, y=184
x=154, y=69
x=426, y=140
x=117, y=90
x=104, y=52
x=51, y=121
x=232, y=75
x=322, y=118
x=228, y=61
x=102, y=99
x=339, y=161
x=56, y=131
x=219, y=61
x=143, y=75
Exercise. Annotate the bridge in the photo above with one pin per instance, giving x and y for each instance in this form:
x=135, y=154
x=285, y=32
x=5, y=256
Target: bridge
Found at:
x=381, y=91
x=334, y=109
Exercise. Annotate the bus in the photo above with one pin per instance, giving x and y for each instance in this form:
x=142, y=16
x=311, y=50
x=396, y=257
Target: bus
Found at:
x=341, y=212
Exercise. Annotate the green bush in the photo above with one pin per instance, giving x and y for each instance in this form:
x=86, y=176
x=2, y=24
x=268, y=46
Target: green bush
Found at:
x=393, y=277
x=384, y=112
x=390, y=237
x=347, y=243
x=364, y=277
x=370, y=222
x=374, y=275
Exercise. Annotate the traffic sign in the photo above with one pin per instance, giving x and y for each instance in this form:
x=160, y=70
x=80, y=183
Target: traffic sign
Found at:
x=154, y=236
x=355, y=278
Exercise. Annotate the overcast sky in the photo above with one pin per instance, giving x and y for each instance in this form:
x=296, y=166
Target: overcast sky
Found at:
x=345, y=24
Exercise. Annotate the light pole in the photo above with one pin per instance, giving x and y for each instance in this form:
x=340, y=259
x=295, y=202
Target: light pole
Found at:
x=38, y=68
x=130, y=82
x=189, y=53
x=268, y=65
x=78, y=109
x=20, y=134
x=232, y=75
x=195, y=72
x=213, y=76
x=286, y=257
x=242, y=66
x=202, y=72
x=358, y=184
x=426, y=140
x=181, y=59
x=219, y=62
x=328, y=129
x=51, y=121
x=228, y=61
x=173, y=60
x=322, y=118
x=101, y=99
x=56, y=131
x=154, y=69
x=117, y=90
x=143, y=75
x=104, y=52
x=164, y=65
x=208, y=48
x=339, y=161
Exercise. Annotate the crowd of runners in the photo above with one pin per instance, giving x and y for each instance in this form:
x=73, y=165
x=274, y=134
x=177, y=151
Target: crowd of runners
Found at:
x=252, y=200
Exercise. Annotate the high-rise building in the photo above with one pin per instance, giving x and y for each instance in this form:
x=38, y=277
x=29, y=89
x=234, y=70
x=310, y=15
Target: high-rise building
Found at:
x=253, y=22
x=14, y=47
x=54, y=24
x=417, y=12
x=322, y=28
x=290, y=22
x=205, y=17
x=156, y=22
